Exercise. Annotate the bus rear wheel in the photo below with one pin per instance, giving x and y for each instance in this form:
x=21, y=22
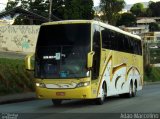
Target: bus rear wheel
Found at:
x=134, y=93
x=56, y=102
x=130, y=93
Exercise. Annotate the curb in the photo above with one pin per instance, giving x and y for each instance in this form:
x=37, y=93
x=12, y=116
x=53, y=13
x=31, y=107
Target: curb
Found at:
x=13, y=98
x=151, y=83
x=15, y=52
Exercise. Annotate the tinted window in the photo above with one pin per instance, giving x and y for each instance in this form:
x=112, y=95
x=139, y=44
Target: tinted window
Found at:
x=64, y=34
x=116, y=41
x=61, y=51
x=108, y=39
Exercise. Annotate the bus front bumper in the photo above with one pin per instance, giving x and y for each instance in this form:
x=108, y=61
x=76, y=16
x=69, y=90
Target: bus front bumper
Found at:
x=76, y=93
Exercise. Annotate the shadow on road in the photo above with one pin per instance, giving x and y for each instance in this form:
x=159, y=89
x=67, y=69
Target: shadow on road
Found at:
x=84, y=103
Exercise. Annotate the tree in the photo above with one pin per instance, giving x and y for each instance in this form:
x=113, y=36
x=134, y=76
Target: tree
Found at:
x=110, y=9
x=74, y=9
x=154, y=8
x=148, y=13
x=127, y=19
x=154, y=27
x=39, y=7
x=78, y=9
x=57, y=9
x=138, y=9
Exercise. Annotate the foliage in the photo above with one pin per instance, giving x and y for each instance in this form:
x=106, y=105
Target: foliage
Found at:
x=154, y=8
x=138, y=9
x=152, y=74
x=155, y=54
x=78, y=9
x=39, y=7
x=154, y=27
x=110, y=9
x=148, y=70
x=148, y=12
x=14, y=78
x=126, y=19
x=11, y=4
x=74, y=9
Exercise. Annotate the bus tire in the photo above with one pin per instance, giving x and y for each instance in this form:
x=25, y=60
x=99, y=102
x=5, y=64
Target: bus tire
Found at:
x=56, y=102
x=134, y=93
x=130, y=93
x=100, y=101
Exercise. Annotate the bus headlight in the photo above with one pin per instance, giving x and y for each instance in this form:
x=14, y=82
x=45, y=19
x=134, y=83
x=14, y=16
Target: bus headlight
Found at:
x=83, y=84
x=42, y=85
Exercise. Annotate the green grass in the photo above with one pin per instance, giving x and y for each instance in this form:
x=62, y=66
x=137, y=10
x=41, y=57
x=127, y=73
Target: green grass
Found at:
x=14, y=78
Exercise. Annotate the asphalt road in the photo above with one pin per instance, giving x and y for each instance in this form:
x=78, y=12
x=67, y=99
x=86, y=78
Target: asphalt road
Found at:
x=146, y=101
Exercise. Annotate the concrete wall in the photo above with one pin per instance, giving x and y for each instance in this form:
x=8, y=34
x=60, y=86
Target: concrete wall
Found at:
x=19, y=38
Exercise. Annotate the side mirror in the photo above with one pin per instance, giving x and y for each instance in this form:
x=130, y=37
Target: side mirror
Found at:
x=90, y=59
x=29, y=62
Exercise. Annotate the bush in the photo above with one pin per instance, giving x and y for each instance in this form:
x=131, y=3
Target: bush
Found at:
x=148, y=70
x=151, y=73
x=14, y=78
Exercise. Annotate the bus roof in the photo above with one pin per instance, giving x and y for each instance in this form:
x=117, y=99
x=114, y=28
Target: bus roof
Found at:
x=68, y=22
x=93, y=22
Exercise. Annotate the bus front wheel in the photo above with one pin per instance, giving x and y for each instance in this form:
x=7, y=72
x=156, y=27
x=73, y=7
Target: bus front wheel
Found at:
x=56, y=102
x=101, y=100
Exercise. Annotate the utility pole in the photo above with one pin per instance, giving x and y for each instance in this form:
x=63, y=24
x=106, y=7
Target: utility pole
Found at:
x=50, y=11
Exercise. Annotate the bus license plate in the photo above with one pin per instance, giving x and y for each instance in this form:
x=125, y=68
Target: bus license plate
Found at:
x=60, y=93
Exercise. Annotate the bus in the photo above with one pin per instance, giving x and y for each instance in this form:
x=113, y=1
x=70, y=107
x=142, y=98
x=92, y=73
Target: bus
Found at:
x=85, y=59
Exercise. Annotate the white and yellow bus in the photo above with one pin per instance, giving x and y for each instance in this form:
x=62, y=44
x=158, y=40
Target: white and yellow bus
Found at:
x=86, y=59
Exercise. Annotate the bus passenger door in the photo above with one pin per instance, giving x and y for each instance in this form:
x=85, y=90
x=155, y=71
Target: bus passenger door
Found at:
x=97, y=49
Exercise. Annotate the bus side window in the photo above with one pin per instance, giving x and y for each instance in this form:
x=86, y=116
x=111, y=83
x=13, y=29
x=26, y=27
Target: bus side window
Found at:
x=106, y=40
x=140, y=47
x=113, y=39
x=96, y=49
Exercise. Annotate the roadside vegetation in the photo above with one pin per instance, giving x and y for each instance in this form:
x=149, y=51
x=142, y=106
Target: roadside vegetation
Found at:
x=14, y=78
x=151, y=74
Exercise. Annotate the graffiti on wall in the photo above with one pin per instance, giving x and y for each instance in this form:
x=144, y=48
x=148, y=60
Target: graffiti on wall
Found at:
x=22, y=42
x=23, y=29
x=2, y=40
x=19, y=37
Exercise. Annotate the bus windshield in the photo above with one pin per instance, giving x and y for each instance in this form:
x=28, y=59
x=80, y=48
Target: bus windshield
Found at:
x=61, y=51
